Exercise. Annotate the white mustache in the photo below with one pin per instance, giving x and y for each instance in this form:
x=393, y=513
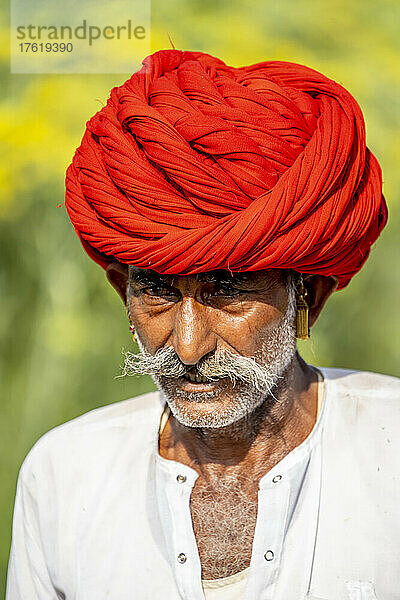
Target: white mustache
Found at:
x=218, y=365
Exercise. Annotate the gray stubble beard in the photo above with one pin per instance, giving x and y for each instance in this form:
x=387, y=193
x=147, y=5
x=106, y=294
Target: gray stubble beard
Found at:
x=275, y=356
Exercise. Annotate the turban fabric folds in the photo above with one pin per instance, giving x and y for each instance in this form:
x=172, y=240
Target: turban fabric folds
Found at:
x=194, y=166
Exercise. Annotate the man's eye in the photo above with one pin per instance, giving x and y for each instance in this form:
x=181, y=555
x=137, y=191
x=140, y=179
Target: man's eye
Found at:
x=155, y=290
x=227, y=291
x=159, y=291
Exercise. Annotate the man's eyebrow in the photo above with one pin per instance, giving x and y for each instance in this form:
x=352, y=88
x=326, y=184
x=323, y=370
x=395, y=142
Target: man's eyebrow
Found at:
x=146, y=277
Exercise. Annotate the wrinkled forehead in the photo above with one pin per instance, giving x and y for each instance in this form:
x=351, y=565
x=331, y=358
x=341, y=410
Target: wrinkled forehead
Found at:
x=221, y=276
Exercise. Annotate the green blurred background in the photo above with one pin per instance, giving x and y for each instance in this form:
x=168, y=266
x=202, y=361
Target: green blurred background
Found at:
x=62, y=327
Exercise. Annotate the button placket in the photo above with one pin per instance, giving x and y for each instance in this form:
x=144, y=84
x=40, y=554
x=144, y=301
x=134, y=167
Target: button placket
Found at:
x=187, y=568
x=273, y=500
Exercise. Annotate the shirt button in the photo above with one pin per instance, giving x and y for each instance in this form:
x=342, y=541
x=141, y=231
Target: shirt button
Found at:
x=181, y=478
x=269, y=555
x=181, y=558
x=276, y=478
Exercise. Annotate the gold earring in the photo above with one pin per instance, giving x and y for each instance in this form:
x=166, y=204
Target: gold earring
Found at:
x=302, y=326
x=131, y=327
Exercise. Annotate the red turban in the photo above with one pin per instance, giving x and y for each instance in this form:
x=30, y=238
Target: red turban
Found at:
x=194, y=165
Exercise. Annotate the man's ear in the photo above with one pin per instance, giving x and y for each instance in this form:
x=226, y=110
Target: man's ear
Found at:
x=319, y=288
x=117, y=275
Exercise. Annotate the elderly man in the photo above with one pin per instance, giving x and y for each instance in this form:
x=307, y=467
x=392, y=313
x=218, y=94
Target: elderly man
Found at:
x=226, y=205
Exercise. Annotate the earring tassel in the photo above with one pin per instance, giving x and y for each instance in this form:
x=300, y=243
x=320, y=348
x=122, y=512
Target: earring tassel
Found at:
x=302, y=331
x=302, y=326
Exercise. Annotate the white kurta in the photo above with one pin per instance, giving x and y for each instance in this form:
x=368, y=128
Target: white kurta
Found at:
x=234, y=587
x=99, y=514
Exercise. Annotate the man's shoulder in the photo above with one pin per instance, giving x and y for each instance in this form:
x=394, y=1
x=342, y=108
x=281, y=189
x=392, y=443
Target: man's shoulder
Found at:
x=97, y=433
x=363, y=384
x=133, y=411
x=373, y=395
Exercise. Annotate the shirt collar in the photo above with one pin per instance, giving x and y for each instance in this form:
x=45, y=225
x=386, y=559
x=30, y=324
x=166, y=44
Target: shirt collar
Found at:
x=293, y=464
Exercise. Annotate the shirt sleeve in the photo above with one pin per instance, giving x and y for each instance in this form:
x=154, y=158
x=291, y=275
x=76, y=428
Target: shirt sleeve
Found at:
x=28, y=575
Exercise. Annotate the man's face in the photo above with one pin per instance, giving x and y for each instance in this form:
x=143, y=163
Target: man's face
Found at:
x=215, y=343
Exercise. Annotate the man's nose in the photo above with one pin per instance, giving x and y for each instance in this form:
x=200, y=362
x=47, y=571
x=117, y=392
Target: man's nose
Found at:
x=192, y=337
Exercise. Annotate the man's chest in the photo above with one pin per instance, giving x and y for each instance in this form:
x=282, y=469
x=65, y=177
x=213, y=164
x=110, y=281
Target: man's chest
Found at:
x=119, y=545
x=224, y=516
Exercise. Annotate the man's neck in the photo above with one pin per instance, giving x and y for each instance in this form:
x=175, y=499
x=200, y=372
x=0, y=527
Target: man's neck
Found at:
x=256, y=443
